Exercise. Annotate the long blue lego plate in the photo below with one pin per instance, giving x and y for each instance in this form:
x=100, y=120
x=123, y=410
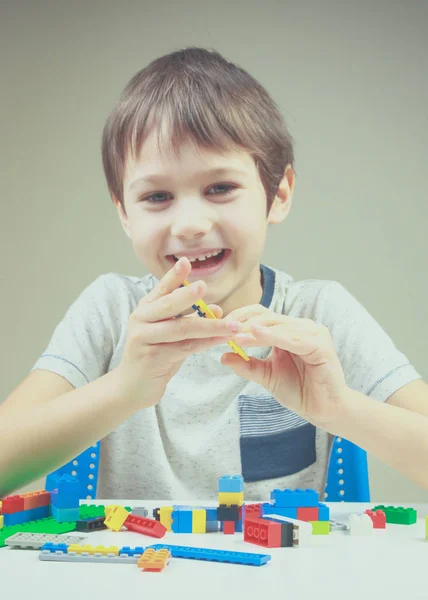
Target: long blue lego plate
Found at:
x=243, y=558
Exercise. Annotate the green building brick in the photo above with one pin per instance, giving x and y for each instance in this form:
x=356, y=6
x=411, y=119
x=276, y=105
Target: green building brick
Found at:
x=398, y=515
x=320, y=527
x=48, y=525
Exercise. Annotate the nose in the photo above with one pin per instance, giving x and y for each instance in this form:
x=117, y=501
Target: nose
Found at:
x=192, y=219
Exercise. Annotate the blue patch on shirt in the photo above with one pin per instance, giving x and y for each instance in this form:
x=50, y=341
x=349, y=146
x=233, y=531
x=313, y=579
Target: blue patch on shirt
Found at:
x=274, y=441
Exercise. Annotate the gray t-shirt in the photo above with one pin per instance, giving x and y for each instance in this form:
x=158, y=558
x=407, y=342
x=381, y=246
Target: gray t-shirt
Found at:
x=210, y=421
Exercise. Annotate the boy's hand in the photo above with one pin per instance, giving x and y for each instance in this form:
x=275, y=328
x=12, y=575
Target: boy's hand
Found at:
x=157, y=343
x=303, y=371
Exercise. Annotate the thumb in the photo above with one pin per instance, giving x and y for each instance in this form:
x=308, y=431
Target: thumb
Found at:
x=253, y=370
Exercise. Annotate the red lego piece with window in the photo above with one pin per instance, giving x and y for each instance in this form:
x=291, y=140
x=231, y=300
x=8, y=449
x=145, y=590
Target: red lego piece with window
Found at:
x=262, y=532
x=229, y=527
x=378, y=517
x=12, y=504
x=145, y=526
x=308, y=513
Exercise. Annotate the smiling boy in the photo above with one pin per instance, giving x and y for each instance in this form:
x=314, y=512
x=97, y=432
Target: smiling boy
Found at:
x=199, y=162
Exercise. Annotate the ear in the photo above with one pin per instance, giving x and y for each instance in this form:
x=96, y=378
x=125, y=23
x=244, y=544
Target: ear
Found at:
x=122, y=216
x=282, y=202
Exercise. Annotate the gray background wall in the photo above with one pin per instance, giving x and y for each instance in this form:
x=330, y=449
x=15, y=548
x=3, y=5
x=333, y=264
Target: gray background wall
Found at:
x=351, y=79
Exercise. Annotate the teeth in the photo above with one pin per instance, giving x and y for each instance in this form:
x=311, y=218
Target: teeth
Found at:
x=201, y=257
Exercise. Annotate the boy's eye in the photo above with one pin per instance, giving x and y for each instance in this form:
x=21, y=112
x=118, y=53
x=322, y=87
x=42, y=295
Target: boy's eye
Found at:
x=159, y=197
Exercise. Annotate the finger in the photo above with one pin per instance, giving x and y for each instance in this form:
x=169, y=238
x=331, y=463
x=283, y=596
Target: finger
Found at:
x=175, y=330
x=170, y=281
x=314, y=347
x=247, y=312
x=184, y=348
x=254, y=369
x=172, y=304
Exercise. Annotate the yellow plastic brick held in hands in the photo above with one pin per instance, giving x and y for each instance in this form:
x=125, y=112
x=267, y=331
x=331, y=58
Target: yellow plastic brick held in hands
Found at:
x=204, y=311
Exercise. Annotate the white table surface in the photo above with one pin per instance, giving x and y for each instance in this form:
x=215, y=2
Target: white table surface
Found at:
x=391, y=563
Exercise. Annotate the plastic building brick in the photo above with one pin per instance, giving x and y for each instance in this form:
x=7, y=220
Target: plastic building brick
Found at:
x=294, y=498
x=231, y=498
x=262, y=532
x=12, y=504
x=337, y=525
x=228, y=513
x=270, y=509
x=165, y=516
x=398, y=515
x=320, y=527
x=182, y=520
x=137, y=551
x=91, y=511
x=35, y=541
x=47, y=525
x=93, y=524
x=154, y=560
x=243, y=558
x=378, y=517
x=63, y=554
x=211, y=512
x=360, y=524
x=25, y=516
x=302, y=531
x=145, y=526
x=306, y=513
x=78, y=549
x=36, y=499
x=253, y=510
x=288, y=535
x=323, y=512
x=231, y=483
x=140, y=511
x=228, y=527
x=212, y=527
x=116, y=518
x=1, y=521
x=199, y=520
x=67, y=492
x=65, y=515
x=204, y=311
x=156, y=514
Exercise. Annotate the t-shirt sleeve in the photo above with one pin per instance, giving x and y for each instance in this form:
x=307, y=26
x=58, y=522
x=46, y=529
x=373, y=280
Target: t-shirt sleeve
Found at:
x=82, y=344
x=371, y=362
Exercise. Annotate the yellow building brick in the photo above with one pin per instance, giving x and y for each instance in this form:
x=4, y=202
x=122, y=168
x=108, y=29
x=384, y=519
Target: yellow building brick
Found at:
x=230, y=498
x=199, y=520
x=78, y=549
x=320, y=527
x=1, y=521
x=165, y=515
x=116, y=518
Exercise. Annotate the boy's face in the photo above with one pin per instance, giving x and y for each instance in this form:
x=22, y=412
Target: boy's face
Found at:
x=187, y=211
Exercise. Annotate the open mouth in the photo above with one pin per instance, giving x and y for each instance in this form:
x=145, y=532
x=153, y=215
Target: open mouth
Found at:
x=205, y=262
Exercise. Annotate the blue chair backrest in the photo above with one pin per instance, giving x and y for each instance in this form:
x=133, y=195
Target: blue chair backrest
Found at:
x=85, y=468
x=347, y=478
x=348, y=475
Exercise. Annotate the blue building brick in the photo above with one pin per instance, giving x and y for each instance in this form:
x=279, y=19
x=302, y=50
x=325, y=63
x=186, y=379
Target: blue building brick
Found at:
x=323, y=512
x=294, y=498
x=24, y=516
x=270, y=509
x=230, y=556
x=131, y=551
x=67, y=492
x=182, y=519
x=231, y=483
x=65, y=515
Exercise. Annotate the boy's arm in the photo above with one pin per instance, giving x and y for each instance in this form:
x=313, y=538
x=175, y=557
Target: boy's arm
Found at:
x=396, y=431
x=45, y=422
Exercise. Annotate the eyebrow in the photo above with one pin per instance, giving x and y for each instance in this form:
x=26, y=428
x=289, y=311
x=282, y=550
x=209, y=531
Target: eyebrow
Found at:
x=159, y=177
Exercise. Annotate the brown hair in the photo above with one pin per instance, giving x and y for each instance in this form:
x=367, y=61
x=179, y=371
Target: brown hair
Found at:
x=205, y=99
